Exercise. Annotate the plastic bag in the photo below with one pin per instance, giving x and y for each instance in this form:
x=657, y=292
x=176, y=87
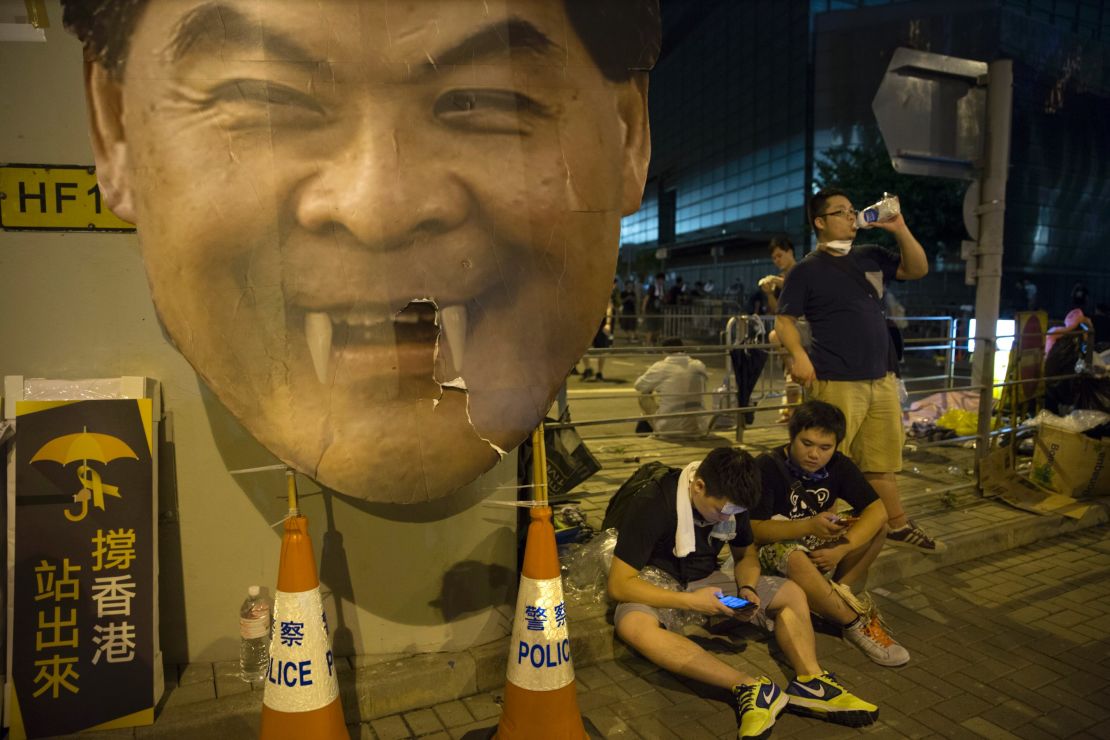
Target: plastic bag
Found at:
x=964, y=423
x=569, y=462
x=673, y=619
x=585, y=570
x=1079, y=420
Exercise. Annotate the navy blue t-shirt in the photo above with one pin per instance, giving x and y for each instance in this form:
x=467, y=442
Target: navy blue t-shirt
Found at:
x=850, y=336
x=646, y=536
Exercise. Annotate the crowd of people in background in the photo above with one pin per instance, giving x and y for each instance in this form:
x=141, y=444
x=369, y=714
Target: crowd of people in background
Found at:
x=639, y=302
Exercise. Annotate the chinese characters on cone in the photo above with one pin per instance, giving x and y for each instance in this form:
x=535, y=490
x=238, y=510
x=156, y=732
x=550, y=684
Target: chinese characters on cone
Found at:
x=301, y=697
x=541, y=700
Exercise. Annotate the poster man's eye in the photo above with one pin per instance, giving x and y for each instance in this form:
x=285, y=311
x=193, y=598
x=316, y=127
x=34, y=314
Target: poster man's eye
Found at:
x=279, y=101
x=488, y=110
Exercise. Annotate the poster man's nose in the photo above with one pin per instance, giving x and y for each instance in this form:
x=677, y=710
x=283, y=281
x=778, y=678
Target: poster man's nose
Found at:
x=384, y=187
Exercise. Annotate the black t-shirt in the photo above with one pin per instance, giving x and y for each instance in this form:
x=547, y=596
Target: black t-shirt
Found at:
x=628, y=301
x=782, y=496
x=850, y=336
x=646, y=535
x=757, y=304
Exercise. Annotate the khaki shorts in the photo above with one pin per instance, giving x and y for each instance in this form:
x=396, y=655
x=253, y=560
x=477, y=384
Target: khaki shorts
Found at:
x=765, y=588
x=873, y=414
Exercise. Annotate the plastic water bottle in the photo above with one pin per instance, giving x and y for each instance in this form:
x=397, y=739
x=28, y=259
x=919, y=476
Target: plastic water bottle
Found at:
x=884, y=210
x=254, y=634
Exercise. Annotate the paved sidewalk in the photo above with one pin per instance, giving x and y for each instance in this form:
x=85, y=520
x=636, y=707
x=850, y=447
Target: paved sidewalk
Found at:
x=1008, y=577
x=1010, y=645
x=1018, y=596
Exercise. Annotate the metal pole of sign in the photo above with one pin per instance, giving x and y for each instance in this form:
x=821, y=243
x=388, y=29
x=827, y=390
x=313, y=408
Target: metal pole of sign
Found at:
x=992, y=210
x=950, y=362
x=730, y=372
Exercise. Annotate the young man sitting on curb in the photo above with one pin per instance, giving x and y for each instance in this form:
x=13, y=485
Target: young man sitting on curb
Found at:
x=678, y=523
x=803, y=538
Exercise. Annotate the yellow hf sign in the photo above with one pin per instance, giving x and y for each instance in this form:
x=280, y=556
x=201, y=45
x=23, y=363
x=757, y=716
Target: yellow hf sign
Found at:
x=54, y=198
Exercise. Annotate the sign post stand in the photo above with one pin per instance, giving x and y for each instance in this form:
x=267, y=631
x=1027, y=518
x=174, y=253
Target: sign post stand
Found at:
x=966, y=106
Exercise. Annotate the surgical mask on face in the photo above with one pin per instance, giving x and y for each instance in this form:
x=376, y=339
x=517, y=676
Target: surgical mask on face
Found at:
x=839, y=247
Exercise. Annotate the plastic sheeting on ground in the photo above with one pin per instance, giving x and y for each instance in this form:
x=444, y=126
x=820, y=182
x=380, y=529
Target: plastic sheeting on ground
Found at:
x=585, y=569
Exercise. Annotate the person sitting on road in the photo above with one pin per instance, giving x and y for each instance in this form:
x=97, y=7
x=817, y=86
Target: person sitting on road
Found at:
x=803, y=538
x=673, y=385
x=679, y=524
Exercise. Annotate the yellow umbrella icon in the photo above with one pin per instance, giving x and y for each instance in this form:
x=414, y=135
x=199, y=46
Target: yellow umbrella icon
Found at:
x=86, y=446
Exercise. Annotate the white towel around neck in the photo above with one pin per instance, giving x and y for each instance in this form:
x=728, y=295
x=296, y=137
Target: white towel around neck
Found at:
x=684, y=530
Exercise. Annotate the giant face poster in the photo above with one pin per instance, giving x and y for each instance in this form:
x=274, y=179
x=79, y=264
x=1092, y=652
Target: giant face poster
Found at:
x=381, y=232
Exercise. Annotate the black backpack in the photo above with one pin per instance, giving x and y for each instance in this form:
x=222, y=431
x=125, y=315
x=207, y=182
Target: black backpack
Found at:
x=640, y=482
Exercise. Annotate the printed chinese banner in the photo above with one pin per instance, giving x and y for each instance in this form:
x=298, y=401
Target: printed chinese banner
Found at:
x=83, y=647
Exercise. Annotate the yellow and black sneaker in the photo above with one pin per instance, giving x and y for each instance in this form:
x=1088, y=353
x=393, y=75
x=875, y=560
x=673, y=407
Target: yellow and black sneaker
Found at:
x=760, y=704
x=826, y=698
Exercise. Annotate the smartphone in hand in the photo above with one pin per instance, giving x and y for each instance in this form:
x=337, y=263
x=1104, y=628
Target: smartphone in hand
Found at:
x=733, y=602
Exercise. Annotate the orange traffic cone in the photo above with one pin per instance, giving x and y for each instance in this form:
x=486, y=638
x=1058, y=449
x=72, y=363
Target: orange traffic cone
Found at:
x=301, y=698
x=541, y=699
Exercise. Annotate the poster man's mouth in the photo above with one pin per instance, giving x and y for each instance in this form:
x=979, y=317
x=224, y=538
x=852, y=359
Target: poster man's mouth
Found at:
x=398, y=344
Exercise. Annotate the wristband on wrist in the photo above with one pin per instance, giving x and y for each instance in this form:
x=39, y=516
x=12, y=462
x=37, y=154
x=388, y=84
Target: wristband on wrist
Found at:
x=750, y=588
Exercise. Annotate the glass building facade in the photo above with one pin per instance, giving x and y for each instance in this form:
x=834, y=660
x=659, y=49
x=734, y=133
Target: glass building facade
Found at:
x=749, y=94
x=728, y=117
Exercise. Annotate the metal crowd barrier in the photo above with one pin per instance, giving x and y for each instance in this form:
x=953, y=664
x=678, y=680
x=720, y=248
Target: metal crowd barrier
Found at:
x=739, y=330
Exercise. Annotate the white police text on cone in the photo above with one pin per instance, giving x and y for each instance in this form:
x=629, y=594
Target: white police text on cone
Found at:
x=539, y=653
x=301, y=675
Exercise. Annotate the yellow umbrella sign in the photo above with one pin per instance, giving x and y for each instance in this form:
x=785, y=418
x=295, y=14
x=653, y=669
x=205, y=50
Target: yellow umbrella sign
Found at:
x=83, y=643
x=86, y=446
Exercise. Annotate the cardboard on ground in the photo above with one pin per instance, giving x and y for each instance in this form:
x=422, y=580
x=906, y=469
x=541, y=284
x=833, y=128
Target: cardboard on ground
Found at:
x=998, y=479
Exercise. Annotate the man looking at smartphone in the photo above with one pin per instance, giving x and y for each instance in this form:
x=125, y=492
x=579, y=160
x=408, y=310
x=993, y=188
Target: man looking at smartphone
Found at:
x=802, y=537
x=678, y=524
